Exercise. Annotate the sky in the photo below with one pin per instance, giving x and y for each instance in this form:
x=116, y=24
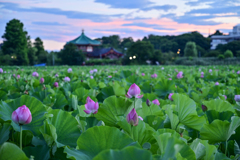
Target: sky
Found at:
x=59, y=21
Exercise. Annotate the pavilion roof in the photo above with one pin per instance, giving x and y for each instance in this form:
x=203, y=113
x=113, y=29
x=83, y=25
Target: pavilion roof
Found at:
x=84, y=40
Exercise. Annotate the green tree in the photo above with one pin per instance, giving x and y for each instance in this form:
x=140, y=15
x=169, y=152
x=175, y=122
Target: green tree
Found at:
x=190, y=50
x=70, y=55
x=142, y=50
x=41, y=53
x=15, y=43
x=234, y=46
x=228, y=54
x=213, y=53
x=31, y=52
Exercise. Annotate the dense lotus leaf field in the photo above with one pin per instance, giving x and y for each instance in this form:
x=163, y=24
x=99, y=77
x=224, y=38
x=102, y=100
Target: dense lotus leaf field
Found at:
x=121, y=113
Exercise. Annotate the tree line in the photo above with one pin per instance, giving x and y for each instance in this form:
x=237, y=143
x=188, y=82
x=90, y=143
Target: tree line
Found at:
x=17, y=48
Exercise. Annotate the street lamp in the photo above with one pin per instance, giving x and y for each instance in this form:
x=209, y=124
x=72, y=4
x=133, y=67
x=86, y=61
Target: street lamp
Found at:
x=130, y=58
x=134, y=57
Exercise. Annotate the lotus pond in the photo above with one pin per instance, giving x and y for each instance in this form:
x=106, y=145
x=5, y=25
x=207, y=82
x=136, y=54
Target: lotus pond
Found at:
x=120, y=113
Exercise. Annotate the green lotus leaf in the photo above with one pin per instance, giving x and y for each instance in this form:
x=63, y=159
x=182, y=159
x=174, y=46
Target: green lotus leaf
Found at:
x=186, y=109
x=128, y=153
x=61, y=128
x=4, y=132
x=219, y=105
x=141, y=133
x=113, y=107
x=10, y=151
x=212, y=115
x=97, y=139
x=198, y=148
x=219, y=131
x=41, y=152
x=170, y=146
x=164, y=87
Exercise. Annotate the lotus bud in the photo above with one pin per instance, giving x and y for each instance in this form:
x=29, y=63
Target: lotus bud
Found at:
x=35, y=74
x=204, y=108
x=22, y=115
x=67, y=79
x=180, y=75
x=18, y=76
x=148, y=102
x=143, y=74
x=91, y=106
x=69, y=70
x=42, y=80
x=134, y=91
x=154, y=75
x=238, y=72
x=1, y=70
x=170, y=96
x=216, y=83
x=14, y=75
x=132, y=117
x=55, y=84
x=237, y=98
x=156, y=102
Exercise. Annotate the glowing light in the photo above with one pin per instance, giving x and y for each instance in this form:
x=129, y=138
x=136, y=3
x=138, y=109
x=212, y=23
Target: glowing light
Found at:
x=134, y=57
x=130, y=58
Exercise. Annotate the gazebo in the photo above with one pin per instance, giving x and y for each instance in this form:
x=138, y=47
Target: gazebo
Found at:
x=88, y=46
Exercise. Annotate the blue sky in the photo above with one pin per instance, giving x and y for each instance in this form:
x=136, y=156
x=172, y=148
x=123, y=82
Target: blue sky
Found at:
x=59, y=21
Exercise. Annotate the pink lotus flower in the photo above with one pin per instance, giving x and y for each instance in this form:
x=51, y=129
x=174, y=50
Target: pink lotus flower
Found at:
x=35, y=74
x=202, y=76
x=156, y=102
x=170, y=79
x=95, y=70
x=91, y=77
x=109, y=76
x=14, y=75
x=154, y=75
x=91, y=106
x=134, y=91
x=42, y=80
x=170, y=96
x=237, y=98
x=69, y=70
x=143, y=74
x=180, y=75
x=91, y=71
x=56, y=75
x=132, y=117
x=55, y=84
x=210, y=70
x=18, y=76
x=216, y=83
x=202, y=72
x=67, y=79
x=238, y=72
x=1, y=70
x=22, y=115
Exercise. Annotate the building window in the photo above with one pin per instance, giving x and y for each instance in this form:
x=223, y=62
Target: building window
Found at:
x=89, y=48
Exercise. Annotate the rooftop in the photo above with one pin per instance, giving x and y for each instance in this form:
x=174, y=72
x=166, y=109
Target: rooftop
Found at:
x=84, y=40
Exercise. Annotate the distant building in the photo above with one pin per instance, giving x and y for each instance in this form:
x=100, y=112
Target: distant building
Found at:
x=89, y=46
x=224, y=39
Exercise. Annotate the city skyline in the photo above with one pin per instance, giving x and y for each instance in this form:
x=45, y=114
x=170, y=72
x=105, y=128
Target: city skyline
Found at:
x=57, y=22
